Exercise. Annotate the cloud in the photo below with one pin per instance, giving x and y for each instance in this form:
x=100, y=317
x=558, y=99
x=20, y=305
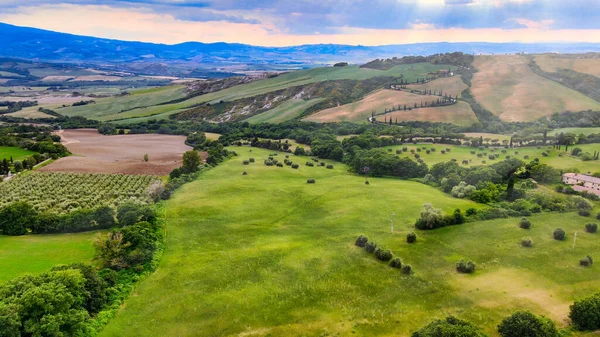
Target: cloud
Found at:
x=543, y=24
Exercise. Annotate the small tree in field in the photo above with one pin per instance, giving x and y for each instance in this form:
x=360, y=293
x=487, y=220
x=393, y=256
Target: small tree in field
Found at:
x=146, y=157
x=191, y=161
x=560, y=234
x=524, y=323
x=411, y=237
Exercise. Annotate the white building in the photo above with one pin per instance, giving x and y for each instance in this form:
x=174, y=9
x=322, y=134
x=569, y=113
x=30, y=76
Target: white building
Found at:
x=582, y=182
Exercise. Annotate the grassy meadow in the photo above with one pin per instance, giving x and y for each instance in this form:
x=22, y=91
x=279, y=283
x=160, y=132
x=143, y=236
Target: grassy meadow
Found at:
x=33, y=254
x=576, y=131
x=16, y=153
x=266, y=254
x=290, y=109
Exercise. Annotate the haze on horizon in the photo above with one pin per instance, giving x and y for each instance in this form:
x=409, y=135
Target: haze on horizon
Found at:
x=285, y=23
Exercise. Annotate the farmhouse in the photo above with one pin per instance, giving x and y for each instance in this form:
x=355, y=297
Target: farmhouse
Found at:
x=582, y=182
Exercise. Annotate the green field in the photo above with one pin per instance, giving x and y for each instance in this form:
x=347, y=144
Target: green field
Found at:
x=290, y=109
x=15, y=152
x=576, y=131
x=34, y=254
x=460, y=153
x=268, y=255
x=110, y=108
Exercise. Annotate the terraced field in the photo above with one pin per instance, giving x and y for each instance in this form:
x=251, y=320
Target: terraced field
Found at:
x=508, y=88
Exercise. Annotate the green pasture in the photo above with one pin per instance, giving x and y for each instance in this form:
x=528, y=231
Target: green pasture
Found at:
x=558, y=159
x=266, y=254
x=577, y=131
x=16, y=153
x=111, y=108
x=32, y=254
x=290, y=109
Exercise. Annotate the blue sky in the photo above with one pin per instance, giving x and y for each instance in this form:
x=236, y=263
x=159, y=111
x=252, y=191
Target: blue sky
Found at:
x=278, y=22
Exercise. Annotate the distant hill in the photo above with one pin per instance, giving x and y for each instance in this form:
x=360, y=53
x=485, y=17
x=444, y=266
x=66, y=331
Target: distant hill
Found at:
x=37, y=44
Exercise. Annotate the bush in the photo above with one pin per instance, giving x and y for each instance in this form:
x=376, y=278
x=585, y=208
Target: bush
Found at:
x=525, y=324
x=471, y=212
x=396, y=263
x=527, y=243
x=308, y=163
x=591, y=228
x=560, y=234
x=251, y=160
x=279, y=165
x=411, y=237
x=295, y=166
x=584, y=313
x=583, y=212
x=245, y=162
x=524, y=223
x=598, y=216
x=465, y=267
x=370, y=247
x=361, y=240
x=322, y=164
x=449, y=327
x=586, y=261
x=330, y=166
x=407, y=269
x=244, y=173
x=310, y=181
x=383, y=255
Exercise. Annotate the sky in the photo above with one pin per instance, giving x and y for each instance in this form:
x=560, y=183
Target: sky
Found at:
x=295, y=22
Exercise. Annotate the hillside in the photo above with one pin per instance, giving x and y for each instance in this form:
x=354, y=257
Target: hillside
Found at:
x=506, y=86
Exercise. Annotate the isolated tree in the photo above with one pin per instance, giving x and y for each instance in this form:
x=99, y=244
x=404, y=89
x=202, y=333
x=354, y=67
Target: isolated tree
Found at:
x=525, y=324
x=191, y=161
x=146, y=157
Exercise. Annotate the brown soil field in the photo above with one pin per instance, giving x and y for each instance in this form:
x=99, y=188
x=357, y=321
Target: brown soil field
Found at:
x=360, y=111
x=579, y=63
x=96, y=153
x=506, y=86
x=459, y=114
x=449, y=85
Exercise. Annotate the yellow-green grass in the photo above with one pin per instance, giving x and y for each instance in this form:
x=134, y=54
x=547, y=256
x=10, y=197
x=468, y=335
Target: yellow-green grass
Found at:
x=295, y=78
x=212, y=136
x=15, y=152
x=566, y=162
x=490, y=136
x=580, y=63
x=32, y=254
x=290, y=109
x=121, y=107
x=385, y=99
x=30, y=112
x=506, y=86
x=267, y=254
x=576, y=131
x=449, y=85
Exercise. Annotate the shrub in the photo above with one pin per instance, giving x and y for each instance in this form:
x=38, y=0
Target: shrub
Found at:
x=361, y=240
x=527, y=243
x=584, y=313
x=370, y=247
x=310, y=181
x=245, y=162
x=398, y=151
x=471, y=212
x=598, y=216
x=308, y=163
x=396, y=263
x=524, y=223
x=411, y=237
x=586, y=261
x=583, y=212
x=322, y=164
x=406, y=269
x=465, y=267
x=383, y=255
x=330, y=166
x=244, y=173
x=295, y=166
x=251, y=160
x=279, y=165
x=525, y=324
x=591, y=228
x=449, y=327
x=560, y=234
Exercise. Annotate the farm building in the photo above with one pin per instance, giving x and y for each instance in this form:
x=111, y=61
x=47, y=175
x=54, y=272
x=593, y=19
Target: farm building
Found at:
x=582, y=182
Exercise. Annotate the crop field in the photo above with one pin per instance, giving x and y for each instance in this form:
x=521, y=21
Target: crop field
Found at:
x=450, y=85
x=579, y=63
x=508, y=88
x=576, y=131
x=96, y=153
x=33, y=254
x=112, y=108
x=63, y=192
x=490, y=136
x=459, y=114
x=16, y=153
x=289, y=110
x=386, y=98
x=267, y=254
x=557, y=159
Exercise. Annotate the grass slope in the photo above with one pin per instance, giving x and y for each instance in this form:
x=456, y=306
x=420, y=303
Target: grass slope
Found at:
x=16, y=153
x=577, y=131
x=459, y=114
x=268, y=255
x=32, y=254
x=450, y=85
x=289, y=110
x=506, y=86
x=579, y=63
